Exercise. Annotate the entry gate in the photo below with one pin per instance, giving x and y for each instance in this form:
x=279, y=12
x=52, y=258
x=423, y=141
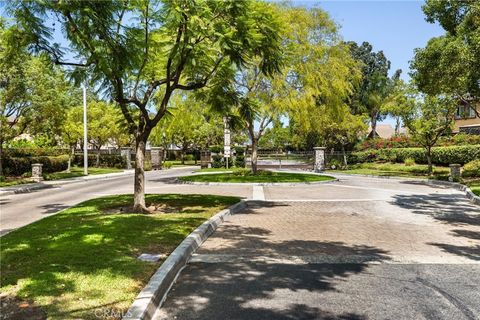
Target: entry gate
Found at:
x=268, y=159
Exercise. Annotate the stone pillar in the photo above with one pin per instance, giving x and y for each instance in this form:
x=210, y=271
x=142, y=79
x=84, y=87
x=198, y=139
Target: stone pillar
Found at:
x=37, y=175
x=205, y=159
x=319, y=164
x=127, y=153
x=156, y=154
x=455, y=172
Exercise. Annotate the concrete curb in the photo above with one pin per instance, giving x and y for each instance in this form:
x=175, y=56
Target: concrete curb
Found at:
x=29, y=187
x=154, y=293
x=454, y=185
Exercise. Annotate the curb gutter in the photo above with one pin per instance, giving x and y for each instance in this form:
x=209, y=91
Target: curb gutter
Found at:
x=154, y=293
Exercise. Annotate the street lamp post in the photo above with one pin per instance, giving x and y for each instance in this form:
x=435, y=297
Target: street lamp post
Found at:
x=85, y=146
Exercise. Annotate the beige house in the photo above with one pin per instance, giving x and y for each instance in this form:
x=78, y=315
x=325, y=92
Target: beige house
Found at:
x=385, y=131
x=467, y=120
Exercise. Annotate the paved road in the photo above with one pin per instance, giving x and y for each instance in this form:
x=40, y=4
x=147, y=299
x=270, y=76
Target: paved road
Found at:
x=21, y=209
x=360, y=248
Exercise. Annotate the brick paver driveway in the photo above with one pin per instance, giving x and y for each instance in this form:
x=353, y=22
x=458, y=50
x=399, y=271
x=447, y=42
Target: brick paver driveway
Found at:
x=360, y=248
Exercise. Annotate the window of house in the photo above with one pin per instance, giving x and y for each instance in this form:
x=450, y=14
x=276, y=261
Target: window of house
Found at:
x=465, y=112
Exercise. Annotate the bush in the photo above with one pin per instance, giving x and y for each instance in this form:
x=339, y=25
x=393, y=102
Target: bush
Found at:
x=471, y=169
x=440, y=155
x=106, y=160
x=239, y=151
x=166, y=165
x=189, y=157
x=409, y=162
x=240, y=161
x=147, y=165
x=18, y=166
x=216, y=149
x=217, y=161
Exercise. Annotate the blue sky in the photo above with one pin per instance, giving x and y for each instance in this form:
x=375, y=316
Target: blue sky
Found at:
x=396, y=27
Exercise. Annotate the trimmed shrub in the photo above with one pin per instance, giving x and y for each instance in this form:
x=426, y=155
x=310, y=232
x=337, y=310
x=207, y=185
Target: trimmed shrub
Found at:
x=217, y=161
x=106, y=160
x=18, y=166
x=440, y=155
x=216, y=149
x=240, y=161
x=239, y=150
x=471, y=169
x=409, y=162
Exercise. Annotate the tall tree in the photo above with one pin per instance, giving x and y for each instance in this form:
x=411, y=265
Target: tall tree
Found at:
x=375, y=84
x=450, y=64
x=144, y=50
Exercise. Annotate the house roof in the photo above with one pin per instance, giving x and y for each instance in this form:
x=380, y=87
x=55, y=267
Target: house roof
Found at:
x=386, y=131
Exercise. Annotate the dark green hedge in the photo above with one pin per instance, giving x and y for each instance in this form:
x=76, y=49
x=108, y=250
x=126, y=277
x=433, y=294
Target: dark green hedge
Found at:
x=217, y=161
x=14, y=166
x=240, y=161
x=106, y=160
x=440, y=155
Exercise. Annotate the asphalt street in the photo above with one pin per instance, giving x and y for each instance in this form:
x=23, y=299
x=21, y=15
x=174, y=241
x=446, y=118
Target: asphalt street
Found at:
x=360, y=248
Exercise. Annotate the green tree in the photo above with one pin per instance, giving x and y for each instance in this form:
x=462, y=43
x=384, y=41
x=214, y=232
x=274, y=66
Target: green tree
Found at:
x=427, y=119
x=33, y=93
x=144, y=50
x=375, y=85
x=450, y=64
x=104, y=125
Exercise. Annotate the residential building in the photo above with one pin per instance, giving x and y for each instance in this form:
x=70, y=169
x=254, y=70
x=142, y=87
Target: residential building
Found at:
x=467, y=120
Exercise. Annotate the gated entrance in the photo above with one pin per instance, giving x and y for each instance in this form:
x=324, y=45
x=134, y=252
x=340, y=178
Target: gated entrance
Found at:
x=269, y=159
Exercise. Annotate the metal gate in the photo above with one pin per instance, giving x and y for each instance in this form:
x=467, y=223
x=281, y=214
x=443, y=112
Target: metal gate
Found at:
x=295, y=160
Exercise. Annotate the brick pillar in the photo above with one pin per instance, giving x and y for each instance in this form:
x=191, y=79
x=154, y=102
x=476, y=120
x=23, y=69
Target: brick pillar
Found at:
x=156, y=154
x=319, y=164
x=455, y=172
x=127, y=153
x=37, y=175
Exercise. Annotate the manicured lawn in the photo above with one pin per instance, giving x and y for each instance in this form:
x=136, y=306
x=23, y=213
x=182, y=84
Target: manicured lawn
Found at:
x=395, y=169
x=74, y=172
x=218, y=169
x=475, y=187
x=261, y=177
x=83, y=261
x=78, y=172
x=176, y=163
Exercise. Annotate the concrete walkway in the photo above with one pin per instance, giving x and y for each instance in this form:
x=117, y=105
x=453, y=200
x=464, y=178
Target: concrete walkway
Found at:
x=361, y=248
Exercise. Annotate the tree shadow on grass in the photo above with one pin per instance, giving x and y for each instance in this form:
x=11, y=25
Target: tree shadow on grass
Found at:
x=65, y=257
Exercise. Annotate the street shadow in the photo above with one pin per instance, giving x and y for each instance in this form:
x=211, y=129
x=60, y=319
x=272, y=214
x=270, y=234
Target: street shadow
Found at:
x=250, y=284
x=4, y=201
x=453, y=209
x=425, y=184
x=53, y=208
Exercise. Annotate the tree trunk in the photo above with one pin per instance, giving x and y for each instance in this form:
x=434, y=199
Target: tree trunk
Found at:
x=195, y=155
x=139, y=177
x=254, y=156
x=97, y=162
x=429, y=160
x=1, y=158
x=345, y=163
x=374, y=126
x=183, y=156
x=397, y=126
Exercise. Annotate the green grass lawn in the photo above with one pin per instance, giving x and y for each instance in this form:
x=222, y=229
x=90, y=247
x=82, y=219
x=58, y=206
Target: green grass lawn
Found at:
x=475, y=187
x=84, y=260
x=395, y=169
x=219, y=169
x=78, y=172
x=261, y=177
x=176, y=163
x=74, y=172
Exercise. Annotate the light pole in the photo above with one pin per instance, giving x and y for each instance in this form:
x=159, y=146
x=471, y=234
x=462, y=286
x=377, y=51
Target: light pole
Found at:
x=85, y=146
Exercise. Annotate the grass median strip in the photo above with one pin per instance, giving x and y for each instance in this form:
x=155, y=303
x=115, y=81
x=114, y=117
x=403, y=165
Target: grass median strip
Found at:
x=82, y=262
x=260, y=177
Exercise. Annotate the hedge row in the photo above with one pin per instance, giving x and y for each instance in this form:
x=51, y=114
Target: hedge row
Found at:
x=106, y=160
x=440, y=155
x=33, y=152
x=14, y=166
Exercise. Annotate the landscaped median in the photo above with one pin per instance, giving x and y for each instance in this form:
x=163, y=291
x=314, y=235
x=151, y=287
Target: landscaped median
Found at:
x=82, y=263
x=246, y=176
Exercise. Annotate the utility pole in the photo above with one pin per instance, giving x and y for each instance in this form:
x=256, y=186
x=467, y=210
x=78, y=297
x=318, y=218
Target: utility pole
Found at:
x=85, y=143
